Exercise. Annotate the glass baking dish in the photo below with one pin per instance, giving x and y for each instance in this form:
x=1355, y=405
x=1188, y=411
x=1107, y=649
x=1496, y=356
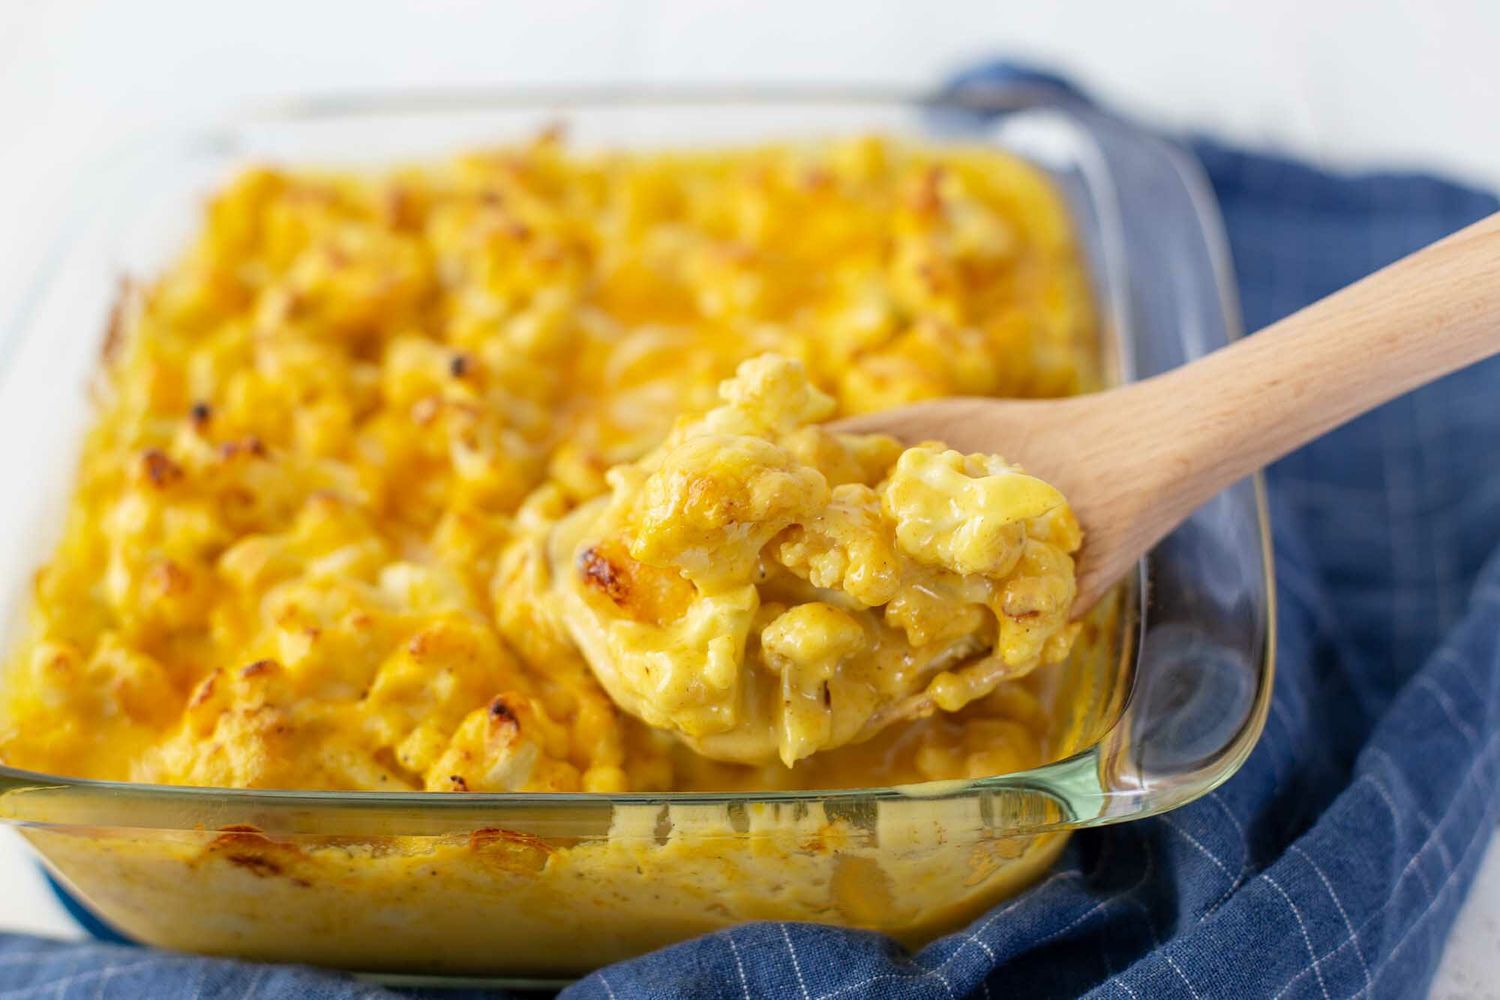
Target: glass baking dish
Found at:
x=541, y=887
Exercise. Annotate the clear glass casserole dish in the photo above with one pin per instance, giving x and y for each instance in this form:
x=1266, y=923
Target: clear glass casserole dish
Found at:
x=545, y=886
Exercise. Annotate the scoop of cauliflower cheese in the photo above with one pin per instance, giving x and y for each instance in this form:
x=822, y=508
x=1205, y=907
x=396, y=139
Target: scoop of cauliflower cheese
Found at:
x=765, y=587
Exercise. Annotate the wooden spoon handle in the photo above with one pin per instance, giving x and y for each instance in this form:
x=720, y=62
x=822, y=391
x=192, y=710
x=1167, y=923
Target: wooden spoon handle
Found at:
x=1248, y=404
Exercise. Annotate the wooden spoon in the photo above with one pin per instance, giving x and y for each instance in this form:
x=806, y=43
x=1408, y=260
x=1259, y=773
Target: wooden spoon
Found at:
x=1136, y=460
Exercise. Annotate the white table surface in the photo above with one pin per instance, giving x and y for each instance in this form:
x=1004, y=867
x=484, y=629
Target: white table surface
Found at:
x=1396, y=83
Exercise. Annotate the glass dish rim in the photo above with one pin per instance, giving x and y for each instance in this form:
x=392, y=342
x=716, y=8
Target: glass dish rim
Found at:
x=1045, y=778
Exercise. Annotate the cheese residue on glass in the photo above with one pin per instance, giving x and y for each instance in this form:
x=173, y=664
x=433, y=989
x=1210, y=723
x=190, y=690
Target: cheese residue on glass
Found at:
x=308, y=545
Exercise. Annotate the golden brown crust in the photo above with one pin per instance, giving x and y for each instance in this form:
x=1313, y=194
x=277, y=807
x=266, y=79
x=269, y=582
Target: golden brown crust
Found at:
x=351, y=412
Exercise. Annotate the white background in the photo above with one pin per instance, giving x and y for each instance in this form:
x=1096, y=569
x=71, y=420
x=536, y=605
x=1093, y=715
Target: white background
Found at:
x=1343, y=83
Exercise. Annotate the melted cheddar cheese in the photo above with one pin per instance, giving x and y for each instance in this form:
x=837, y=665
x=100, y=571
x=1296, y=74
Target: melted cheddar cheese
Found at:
x=308, y=545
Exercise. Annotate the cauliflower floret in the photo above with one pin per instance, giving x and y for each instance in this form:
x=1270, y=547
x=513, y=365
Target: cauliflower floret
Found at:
x=423, y=690
x=770, y=395
x=806, y=645
x=509, y=745
x=846, y=546
x=252, y=727
x=712, y=502
x=357, y=276
x=843, y=458
x=718, y=489
x=965, y=513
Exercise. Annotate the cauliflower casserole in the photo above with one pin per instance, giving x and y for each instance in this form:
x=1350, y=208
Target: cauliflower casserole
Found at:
x=386, y=461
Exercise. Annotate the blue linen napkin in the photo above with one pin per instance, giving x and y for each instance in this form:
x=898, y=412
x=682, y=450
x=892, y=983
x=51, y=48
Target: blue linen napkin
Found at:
x=1333, y=864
